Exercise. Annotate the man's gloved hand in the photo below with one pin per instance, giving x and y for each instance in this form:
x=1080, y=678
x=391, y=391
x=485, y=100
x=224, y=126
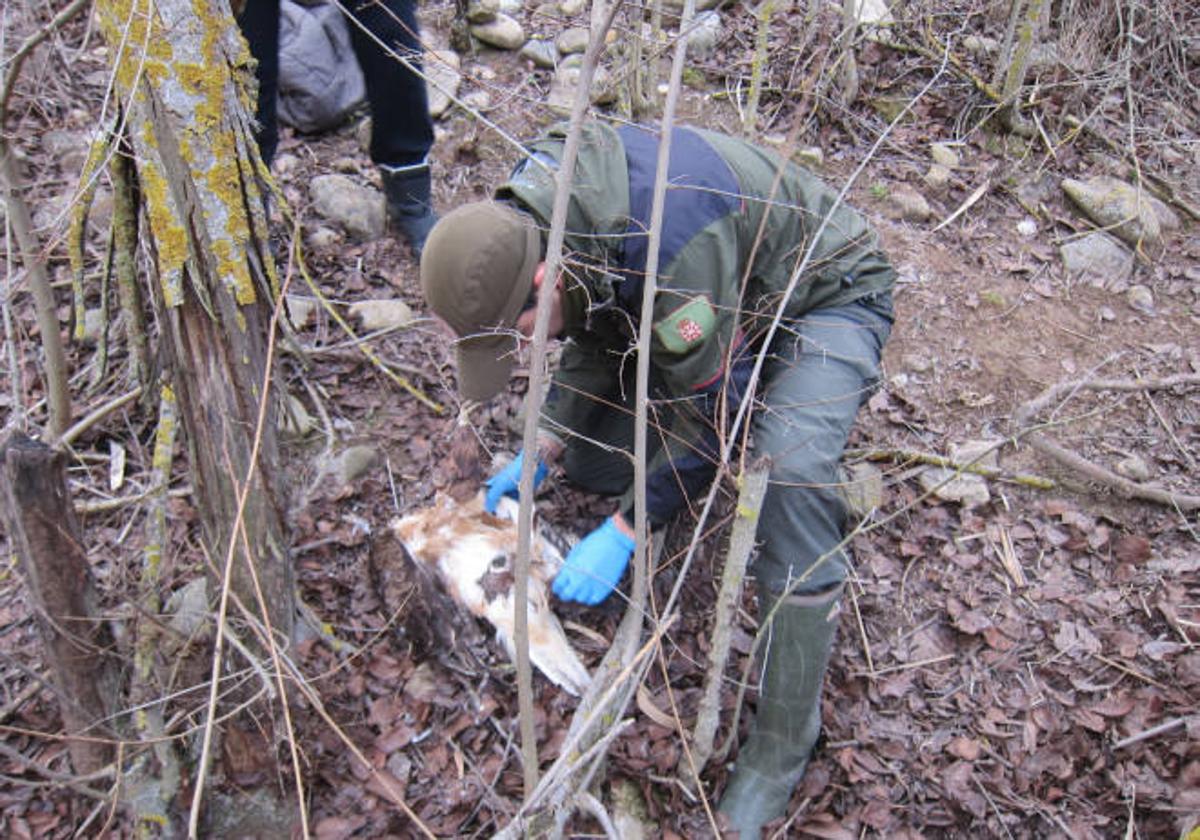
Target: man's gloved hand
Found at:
x=506, y=482
x=595, y=565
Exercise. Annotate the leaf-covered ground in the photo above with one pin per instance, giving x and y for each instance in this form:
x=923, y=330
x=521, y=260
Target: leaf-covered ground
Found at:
x=1023, y=667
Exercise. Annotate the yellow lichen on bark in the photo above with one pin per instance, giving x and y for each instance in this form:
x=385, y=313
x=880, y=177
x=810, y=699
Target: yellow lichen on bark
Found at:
x=177, y=61
x=135, y=41
x=169, y=234
x=220, y=175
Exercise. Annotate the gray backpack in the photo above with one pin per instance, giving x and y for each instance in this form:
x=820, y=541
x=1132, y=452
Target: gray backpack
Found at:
x=320, y=81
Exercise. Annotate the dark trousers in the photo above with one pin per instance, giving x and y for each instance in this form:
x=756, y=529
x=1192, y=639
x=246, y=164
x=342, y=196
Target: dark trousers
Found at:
x=402, y=130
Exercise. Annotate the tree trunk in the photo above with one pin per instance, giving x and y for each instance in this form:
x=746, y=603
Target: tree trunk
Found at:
x=41, y=525
x=198, y=170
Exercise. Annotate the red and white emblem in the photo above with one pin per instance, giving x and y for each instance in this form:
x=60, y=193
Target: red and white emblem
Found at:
x=689, y=330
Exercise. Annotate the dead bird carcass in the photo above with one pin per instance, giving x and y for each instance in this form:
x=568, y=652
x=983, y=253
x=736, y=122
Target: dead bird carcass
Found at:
x=473, y=555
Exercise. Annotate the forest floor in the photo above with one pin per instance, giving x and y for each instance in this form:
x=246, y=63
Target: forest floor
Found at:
x=1025, y=666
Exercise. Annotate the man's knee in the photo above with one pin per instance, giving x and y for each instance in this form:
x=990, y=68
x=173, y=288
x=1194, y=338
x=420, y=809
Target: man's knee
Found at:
x=801, y=526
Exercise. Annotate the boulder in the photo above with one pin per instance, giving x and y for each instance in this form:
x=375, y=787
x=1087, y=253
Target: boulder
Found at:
x=503, y=32
x=357, y=209
x=1134, y=215
x=1098, y=257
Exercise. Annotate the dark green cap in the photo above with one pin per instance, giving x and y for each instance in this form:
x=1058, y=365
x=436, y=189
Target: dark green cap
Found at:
x=477, y=270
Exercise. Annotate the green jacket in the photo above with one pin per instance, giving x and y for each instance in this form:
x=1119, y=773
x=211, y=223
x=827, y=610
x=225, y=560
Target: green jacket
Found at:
x=721, y=192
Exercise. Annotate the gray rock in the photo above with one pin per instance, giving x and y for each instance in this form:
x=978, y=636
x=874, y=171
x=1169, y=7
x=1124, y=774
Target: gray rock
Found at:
x=322, y=237
x=704, y=33
x=301, y=310
x=862, y=488
x=907, y=204
x=189, y=613
x=917, y=363
x=944, y=155
x=294, y=421
x=381, y=314
x=979, y=453
x=572, y=40
x=967, y=489
x=1133, y=215
x=873, y=12
x=937, y=179
x=285, y=163
x=477, y=100
x=362, y=135
x=442, y=68
x=482, y=11
x=980, y=45
x=810, y=156
x=1134, y=468
x=541, y=52
x=570, y=8
x=512, y=8
x=1141, y=299
x=1097, y=255
x=1106, y=313
x=676, y=6
x=566, y=81
x=357, y=209
x=503, y=33
x=353, y=463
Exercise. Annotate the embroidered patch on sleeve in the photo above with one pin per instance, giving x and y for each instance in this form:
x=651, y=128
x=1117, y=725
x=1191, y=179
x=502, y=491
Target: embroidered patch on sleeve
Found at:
x=687, y=326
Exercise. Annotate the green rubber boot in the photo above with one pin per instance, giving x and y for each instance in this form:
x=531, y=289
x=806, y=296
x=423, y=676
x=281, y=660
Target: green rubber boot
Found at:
x=772, y=761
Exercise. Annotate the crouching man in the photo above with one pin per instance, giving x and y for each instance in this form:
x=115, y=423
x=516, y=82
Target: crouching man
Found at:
x=737, y=221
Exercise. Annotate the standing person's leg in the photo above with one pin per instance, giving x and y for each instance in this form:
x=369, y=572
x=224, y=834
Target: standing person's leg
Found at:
x=401, y=128
x=815, y=386
x=259, y=22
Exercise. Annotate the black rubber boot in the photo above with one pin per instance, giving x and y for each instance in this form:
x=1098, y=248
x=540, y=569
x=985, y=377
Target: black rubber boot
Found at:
x=772, y=761
x=409, y=203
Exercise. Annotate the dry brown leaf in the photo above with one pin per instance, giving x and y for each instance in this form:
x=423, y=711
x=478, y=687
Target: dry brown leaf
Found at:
x=968, y=749
x=827, y=827
x=972, y=622
x=338, y=828
x=1131, y=548
x=650, y=710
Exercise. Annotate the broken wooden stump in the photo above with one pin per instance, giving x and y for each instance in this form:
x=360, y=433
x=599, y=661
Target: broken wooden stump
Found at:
x=45, y=537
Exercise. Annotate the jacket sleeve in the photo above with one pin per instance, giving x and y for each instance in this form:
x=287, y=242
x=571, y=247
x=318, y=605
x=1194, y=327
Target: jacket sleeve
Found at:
x=702, y=363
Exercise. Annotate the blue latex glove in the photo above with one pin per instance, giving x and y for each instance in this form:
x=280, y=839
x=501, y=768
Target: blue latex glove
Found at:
x=595, y=565
x=506, y=482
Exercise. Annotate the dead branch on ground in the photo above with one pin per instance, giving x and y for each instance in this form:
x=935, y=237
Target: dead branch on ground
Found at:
x=1128, y=488
x=741, y=543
